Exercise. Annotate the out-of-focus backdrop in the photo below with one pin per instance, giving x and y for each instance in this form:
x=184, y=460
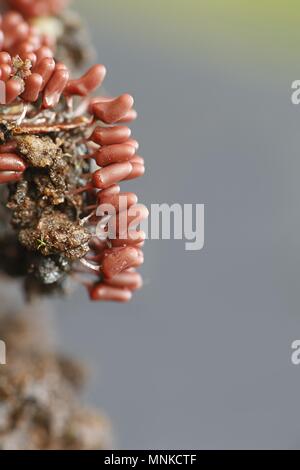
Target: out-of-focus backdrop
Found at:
x=201, y=357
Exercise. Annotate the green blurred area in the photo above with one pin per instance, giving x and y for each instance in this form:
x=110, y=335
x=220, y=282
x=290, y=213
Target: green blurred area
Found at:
x=270, y=28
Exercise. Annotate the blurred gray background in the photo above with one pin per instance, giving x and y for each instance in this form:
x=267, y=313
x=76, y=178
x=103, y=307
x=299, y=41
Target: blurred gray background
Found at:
x=201, y=357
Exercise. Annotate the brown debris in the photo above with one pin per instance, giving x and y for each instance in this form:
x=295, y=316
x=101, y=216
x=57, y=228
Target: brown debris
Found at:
x=40, y=152
x=56, y=234
x=21, y=68
x=45, y=209
x=39, y=392
x=49, y=128
x=73, y=45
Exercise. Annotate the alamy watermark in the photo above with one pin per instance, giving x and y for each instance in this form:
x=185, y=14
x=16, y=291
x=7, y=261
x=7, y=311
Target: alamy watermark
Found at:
x=2, y=92
x=295, y=96
x=295, y=355
x=165, y=222
x=2, y=353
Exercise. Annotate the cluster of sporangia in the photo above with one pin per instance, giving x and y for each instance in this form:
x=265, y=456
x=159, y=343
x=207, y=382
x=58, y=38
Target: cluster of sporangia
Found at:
x=63, y=152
